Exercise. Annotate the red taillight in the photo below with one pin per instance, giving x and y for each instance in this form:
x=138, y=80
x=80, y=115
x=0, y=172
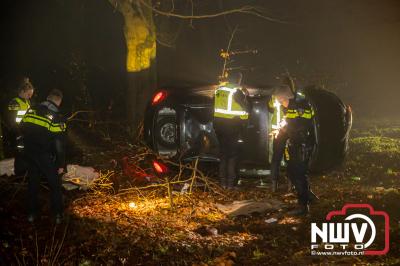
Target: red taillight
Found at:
x=159, y=97
x=160, y=167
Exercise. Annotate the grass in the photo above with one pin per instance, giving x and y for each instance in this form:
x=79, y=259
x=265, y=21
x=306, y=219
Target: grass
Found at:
x=376, y=145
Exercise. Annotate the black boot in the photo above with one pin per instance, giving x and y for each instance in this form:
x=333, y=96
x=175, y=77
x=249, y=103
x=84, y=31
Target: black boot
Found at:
x=232, y=184
x=303, y=209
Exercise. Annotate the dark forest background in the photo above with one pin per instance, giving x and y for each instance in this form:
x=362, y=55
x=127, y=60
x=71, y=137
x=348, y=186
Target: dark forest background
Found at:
x=351, y=47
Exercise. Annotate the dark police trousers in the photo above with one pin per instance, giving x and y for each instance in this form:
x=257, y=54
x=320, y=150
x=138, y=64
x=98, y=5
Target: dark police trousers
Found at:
x=12, y=150
x=297, y=170
x=38, y=165
x=20, y=164
x=228, y=132
x=278, y=149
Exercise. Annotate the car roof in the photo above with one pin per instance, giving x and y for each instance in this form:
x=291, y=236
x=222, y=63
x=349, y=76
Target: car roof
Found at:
x=208, y=90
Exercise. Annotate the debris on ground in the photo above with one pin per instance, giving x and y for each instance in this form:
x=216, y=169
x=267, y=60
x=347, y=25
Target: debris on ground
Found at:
x=69, y=186
x=248, y=207
x=271, y=220
x=7, y=167
x=382, y=190
x=82, y=176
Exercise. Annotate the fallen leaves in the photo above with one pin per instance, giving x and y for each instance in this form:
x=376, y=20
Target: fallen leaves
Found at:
x=109, y=229
x=227, y=259
x=152, y=222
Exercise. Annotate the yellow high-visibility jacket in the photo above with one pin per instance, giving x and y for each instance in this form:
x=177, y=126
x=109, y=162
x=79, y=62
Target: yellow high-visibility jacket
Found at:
x=20, y=106
x=225, y=104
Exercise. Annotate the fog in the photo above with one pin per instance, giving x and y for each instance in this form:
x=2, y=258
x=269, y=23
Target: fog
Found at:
x=352, y=47
x=348, y=46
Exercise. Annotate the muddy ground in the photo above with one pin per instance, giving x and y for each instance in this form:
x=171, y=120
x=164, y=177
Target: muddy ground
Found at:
x=103, y=228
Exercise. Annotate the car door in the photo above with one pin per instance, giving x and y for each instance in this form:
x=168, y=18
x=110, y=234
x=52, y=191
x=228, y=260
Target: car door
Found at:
x=256, y=140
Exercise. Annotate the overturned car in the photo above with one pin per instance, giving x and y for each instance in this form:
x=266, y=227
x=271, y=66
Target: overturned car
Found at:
x=179, y=125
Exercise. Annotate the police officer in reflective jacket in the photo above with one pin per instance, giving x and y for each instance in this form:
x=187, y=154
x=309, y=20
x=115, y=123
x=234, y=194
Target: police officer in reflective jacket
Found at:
x=16, y=110
x=43, y=130
x=230, y=116
x=18, y=106
x=298, y=134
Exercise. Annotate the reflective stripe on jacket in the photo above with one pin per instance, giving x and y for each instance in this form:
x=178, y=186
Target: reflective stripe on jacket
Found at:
x=43, y=130
x=278, y=115
x=300, y=113
x=43, y=121
x=300, y=125
x=20, y=106
x=299, y=108
x=225, y=105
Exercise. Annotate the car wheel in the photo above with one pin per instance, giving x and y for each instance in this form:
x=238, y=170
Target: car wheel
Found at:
x=166, y=132
x=332, y=125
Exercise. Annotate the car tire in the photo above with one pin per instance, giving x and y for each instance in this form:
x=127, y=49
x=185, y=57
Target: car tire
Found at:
x=166, y=132
x=332, y=125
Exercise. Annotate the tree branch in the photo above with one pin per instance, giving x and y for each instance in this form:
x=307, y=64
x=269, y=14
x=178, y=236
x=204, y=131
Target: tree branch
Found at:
x=227, y=52
x=251, y=10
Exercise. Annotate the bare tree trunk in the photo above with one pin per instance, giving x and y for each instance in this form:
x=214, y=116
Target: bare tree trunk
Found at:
x=141, y=86
x=140, y=39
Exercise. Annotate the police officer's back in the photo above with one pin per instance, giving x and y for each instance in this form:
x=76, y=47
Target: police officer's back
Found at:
x=43, y=131
x=230, y=114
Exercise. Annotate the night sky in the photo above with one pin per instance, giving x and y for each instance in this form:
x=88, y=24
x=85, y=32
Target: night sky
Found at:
x=352, y=44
